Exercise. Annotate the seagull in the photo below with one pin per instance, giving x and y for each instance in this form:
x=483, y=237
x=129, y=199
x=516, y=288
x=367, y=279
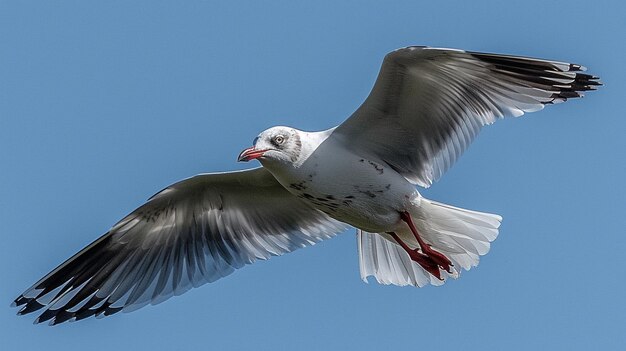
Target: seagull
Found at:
x=426, y=107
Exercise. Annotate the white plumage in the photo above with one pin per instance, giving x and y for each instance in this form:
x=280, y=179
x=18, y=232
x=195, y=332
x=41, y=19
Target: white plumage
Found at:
x=462, y=235
x=426, y=107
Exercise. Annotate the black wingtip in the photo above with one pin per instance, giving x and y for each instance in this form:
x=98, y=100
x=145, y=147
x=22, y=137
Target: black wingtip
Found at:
x=46, y=315
x=31, y=306
x=61, y=316
x=576, y=68
x=112, y=310
x=21, y=300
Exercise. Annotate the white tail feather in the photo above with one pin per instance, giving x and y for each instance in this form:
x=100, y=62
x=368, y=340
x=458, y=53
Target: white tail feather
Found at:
x=462, y=235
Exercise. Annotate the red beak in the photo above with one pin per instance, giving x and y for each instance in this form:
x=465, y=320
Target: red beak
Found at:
x=250, y=154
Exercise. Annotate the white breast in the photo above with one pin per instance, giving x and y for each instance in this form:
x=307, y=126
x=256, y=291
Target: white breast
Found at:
x=354, y=189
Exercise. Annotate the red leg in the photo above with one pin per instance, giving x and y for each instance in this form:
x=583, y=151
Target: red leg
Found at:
x=437, y=257
x=426, y=262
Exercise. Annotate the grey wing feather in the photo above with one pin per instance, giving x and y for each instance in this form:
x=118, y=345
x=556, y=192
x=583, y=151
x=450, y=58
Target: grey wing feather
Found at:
x=193, y=232
x=428, y=104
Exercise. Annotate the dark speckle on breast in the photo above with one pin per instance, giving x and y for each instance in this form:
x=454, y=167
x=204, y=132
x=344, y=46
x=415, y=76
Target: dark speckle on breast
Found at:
x=324, y=203
x=368, y=190
x=380, y=169
x=298, y=186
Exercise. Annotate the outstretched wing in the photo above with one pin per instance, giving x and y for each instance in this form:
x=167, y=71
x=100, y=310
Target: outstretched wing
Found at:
x=193, y=232
x=428, y=104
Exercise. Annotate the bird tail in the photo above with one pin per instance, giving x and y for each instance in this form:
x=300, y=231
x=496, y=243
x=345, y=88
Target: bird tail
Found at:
x=462, y=235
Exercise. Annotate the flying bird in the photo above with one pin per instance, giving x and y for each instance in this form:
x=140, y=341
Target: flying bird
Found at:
x=424, y=110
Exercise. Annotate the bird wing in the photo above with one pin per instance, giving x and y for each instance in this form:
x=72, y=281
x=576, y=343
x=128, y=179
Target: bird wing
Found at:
x=193, y=232
x=428, y=104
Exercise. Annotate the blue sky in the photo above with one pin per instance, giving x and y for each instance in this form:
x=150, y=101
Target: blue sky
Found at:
x=104, y=103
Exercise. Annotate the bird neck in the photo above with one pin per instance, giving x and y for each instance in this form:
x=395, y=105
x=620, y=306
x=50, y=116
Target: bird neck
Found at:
x=310, y=142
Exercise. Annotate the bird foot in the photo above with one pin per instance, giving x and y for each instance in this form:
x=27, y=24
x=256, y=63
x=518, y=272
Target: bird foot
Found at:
x=432, y=256
x=438, y=258
x=425, y=262
x=428, y=259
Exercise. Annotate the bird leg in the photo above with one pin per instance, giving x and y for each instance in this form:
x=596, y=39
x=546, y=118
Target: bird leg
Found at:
x=425, y=261
x=437, y=257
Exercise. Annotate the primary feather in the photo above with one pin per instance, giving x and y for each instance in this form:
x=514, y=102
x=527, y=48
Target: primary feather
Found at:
x=193, y=232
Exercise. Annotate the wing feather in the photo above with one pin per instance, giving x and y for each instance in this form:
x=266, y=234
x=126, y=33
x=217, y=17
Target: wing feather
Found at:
x=193, y=232
x=428, y=104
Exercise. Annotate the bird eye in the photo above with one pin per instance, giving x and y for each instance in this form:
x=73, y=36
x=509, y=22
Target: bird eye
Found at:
x=279, y=139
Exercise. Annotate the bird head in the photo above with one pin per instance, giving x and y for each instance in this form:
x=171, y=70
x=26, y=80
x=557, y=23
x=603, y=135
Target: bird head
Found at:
x=277, y=144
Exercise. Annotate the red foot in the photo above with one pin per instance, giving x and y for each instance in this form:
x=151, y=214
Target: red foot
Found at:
x=430, y=259
x=425, y=261
x=440, y=259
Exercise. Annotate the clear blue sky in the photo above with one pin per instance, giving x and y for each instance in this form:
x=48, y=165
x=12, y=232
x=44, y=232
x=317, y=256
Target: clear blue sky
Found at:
x=104, y=103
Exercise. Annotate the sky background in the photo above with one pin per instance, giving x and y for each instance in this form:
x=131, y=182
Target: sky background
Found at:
x=104, y=103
